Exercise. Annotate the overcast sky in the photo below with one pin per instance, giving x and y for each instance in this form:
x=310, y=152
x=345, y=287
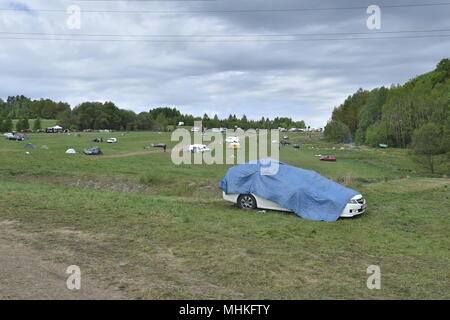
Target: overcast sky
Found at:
x=200, y=62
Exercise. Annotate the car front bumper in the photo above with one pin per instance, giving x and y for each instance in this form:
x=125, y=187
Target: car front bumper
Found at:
x=352, y=210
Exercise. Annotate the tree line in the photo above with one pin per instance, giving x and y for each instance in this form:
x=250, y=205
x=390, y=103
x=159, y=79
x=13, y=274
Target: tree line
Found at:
x=20, y=107
x=98, y=115
x=7, y=125
x=400, y=116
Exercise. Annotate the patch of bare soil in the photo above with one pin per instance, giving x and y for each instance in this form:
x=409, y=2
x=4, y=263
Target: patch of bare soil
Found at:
x=92, y=182
x=25, y=274
x=195, y=284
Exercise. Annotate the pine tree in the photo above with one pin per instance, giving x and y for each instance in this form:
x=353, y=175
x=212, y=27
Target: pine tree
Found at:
x=25, y=124
x=7, y=125
x=19, y=125
x=37, y=124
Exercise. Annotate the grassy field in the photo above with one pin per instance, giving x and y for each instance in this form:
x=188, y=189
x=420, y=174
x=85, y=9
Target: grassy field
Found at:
x=153, y=230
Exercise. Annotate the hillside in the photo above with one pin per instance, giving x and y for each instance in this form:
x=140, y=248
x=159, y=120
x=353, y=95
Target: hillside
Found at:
x=391, y=115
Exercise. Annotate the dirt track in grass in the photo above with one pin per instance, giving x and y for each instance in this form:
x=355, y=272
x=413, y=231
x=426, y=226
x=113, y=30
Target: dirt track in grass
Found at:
x=130, y=154
x=26, y=273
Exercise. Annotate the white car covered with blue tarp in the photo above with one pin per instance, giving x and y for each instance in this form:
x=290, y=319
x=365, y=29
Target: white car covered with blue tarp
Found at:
x=287, y=188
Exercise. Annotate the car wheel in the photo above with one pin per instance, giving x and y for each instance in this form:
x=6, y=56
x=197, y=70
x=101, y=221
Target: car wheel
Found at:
x=246, y=201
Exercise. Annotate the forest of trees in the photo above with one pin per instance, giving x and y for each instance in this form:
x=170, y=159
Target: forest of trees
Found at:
x=392, y=115
x=98, y=115
x=19, y=107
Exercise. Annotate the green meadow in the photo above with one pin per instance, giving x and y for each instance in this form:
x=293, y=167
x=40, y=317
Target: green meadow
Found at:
x=154, y=230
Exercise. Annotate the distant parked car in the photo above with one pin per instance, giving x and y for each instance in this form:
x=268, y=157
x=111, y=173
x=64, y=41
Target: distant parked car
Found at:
x=234, y=145
x=232, y=140
x=95, y=151
x=356, y=206
x=328, y=158
x=20, y=137
x=198, y=148
x=160, y=145
x=111, y=140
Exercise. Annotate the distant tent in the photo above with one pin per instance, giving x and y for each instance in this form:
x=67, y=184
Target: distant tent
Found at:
x=55, y=129
x=71, y=151
x=384, y=146
x=30, y=146
x=44, y=147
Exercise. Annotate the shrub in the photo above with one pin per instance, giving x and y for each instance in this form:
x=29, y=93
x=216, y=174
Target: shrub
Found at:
x=427, y=142
x=336, y=131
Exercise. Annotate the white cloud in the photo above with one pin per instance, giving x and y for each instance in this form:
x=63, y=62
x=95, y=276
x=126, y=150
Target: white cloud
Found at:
x=303, y=80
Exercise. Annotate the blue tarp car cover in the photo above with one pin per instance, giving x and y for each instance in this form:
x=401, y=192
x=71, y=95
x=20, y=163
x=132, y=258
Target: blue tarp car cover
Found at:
x=305, y=192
